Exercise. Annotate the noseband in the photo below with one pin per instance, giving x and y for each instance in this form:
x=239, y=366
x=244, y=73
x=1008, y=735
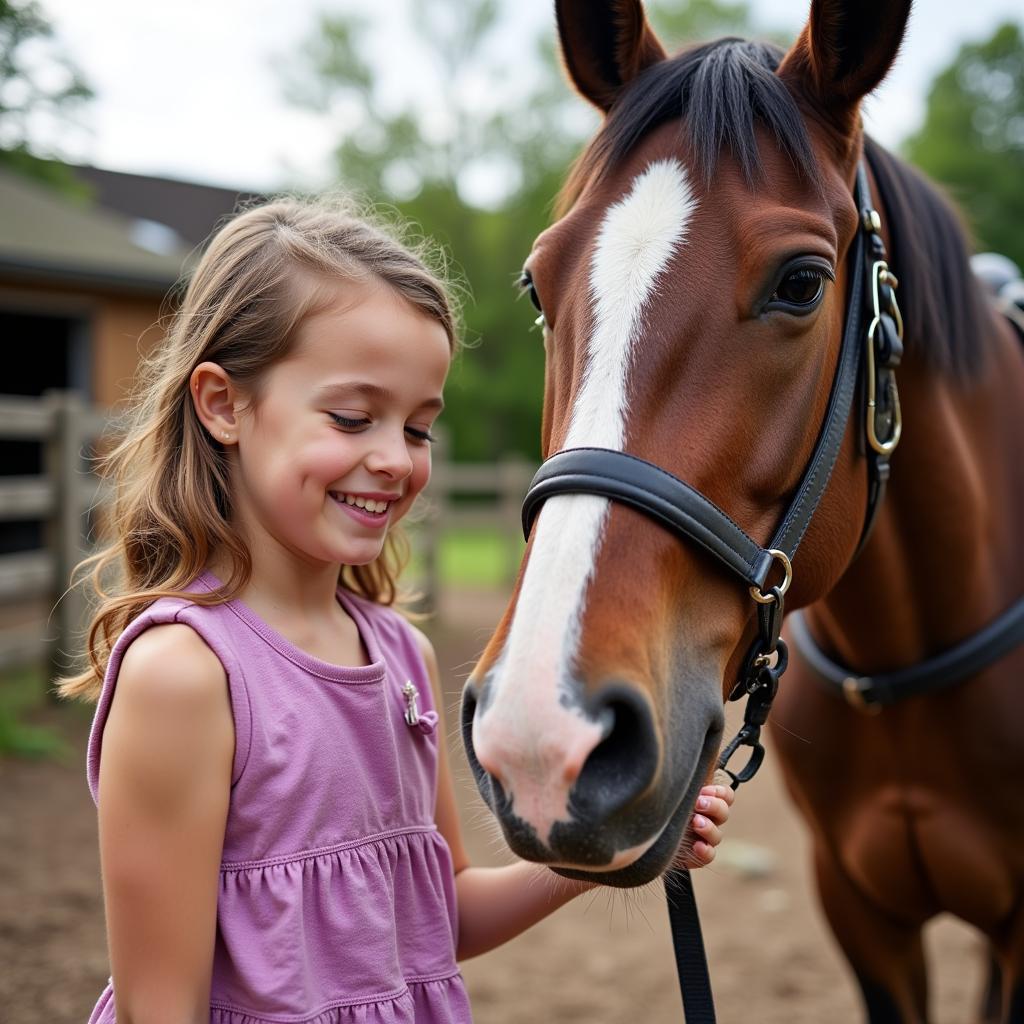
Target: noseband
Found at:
x=683, y=510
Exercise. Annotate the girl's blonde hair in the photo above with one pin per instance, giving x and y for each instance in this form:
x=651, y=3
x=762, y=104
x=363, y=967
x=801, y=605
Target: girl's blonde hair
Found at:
x=172, y=505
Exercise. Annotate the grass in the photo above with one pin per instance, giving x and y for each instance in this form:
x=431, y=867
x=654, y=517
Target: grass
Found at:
x=478, y=558
x=474, y=558
x=22, y=694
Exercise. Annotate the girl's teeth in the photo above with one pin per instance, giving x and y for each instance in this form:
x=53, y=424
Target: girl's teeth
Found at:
x=369, y=504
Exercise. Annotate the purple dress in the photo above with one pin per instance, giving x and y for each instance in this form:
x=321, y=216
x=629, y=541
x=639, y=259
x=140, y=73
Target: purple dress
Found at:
x=336, y=902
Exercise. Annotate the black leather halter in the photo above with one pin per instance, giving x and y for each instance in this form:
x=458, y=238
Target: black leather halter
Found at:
x=873, y=317
x=689, y=514
x=870, y=354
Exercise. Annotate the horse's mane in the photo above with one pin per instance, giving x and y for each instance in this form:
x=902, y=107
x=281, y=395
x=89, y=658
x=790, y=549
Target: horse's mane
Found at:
x=728, y=89
x=945, y=311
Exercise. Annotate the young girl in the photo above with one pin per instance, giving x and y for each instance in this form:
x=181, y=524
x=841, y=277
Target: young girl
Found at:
x=278, y=830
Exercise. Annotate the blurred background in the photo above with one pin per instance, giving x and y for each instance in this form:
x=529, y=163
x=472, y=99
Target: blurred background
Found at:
x=127, y=132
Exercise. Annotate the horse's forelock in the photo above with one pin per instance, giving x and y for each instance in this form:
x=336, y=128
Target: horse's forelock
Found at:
x=722, y=93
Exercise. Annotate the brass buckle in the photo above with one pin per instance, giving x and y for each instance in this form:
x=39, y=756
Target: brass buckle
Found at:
x=880, y=273
x=854, y=694
x=787, y=567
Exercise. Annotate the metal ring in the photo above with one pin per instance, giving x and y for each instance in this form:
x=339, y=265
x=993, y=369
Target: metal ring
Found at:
x=882, y=447
x=787, y=567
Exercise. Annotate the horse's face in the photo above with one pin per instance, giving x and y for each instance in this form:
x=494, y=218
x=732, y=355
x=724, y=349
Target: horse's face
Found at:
x=693, y=321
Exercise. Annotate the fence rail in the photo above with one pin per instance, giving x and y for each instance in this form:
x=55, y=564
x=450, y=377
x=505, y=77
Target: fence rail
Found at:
x=61, y=496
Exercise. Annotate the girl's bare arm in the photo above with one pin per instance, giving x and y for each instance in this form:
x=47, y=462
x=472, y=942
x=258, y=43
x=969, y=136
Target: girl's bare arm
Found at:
x=164, y=784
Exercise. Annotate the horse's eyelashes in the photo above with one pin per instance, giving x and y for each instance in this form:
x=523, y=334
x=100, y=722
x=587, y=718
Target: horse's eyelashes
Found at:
x=526, y=284
x=800, y=289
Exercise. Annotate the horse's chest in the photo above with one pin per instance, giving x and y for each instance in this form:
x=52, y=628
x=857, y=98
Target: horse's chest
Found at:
x=920, y=856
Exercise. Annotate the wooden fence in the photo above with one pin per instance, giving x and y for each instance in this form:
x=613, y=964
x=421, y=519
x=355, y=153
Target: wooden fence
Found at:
x=41, y=620
x=64, y=425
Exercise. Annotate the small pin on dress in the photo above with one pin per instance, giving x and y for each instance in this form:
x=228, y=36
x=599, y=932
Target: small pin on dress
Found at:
x=425, y=721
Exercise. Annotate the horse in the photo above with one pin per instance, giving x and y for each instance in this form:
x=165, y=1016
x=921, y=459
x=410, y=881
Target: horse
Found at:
x=710, y=244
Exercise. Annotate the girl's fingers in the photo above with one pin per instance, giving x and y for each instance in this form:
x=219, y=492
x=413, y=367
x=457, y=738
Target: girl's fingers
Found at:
x=714, y=807
x=712, y=811
x=708, y=831
x=726, y=793
x=700, y=855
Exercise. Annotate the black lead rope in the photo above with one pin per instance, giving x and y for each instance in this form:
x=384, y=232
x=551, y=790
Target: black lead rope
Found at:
x=688, y=943
x=759, y=681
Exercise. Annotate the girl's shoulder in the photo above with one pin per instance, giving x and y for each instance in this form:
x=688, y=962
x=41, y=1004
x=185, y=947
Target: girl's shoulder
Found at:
x=209, y=633
x=208, y=622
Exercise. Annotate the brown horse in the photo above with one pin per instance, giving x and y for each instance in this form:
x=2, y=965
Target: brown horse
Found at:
x=694, y=293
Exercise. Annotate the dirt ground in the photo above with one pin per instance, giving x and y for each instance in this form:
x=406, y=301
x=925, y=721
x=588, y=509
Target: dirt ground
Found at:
x=605, y=959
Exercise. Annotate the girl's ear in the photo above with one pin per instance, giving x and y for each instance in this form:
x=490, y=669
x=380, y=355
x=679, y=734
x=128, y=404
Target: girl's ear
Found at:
x=844, y=51
x=605, y=45
x=214, y=399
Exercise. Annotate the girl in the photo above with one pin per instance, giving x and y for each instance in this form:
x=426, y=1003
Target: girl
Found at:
x=278, y=830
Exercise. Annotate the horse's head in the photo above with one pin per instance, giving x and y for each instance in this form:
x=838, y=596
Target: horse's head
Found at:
x=693, y=296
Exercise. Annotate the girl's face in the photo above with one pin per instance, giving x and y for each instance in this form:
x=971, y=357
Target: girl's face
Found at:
x=337, y=446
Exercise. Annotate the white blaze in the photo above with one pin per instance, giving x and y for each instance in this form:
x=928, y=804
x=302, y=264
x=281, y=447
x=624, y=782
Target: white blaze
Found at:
x=639, y=235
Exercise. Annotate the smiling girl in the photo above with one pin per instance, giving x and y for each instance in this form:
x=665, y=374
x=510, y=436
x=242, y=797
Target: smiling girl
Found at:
x=278, y=831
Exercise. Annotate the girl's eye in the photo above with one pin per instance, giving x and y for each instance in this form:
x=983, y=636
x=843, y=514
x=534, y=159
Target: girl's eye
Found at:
x=800, y=291
x=348, y=423
x=356, y=424
x=421, y=435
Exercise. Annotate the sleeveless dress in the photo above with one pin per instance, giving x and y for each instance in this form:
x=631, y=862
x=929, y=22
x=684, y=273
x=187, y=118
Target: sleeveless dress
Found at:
x=336, y=902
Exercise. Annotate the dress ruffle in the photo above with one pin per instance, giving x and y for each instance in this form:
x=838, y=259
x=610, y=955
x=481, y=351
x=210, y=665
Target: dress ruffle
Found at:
x=315, y=937
x=440, y=1001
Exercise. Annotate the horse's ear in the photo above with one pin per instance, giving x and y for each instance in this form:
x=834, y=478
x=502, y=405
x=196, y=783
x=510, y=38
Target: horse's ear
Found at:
x=844, y=51
x=605, y=44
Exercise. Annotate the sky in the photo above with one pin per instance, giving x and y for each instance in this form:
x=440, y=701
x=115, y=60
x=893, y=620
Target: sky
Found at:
x=193, y=90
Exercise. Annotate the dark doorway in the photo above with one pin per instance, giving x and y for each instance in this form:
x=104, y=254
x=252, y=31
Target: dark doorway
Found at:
x=44, y=352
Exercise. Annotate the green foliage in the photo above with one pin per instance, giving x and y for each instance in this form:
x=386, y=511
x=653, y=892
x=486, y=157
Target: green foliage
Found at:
x=475, y=156
x=36, y=81
x=972, y=140
x=54, y=173
x=478, y=558
x=679, y=23
x=22, y=692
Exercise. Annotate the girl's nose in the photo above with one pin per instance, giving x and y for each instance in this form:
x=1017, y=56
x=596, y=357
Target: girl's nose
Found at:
x=390, y=456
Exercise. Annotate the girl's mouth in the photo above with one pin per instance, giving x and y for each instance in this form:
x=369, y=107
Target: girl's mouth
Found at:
x=368, y=511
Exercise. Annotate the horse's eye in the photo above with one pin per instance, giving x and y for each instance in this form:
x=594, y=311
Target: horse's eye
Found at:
x=526, y=284
x=802, y=287
x=800, y=290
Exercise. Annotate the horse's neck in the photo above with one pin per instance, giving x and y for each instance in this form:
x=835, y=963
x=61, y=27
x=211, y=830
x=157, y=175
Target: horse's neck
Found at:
x=947, y=553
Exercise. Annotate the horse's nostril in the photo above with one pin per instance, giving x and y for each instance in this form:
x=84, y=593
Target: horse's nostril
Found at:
x=624, y=763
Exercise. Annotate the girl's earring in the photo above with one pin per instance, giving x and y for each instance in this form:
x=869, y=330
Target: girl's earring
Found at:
x=227, y=437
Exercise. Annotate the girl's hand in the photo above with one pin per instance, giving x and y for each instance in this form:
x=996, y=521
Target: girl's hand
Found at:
x=705, y=832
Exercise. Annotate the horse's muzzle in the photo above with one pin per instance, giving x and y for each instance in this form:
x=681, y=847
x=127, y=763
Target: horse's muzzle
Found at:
x=614, y=812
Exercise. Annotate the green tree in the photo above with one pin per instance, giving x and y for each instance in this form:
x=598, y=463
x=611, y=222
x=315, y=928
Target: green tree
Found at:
x=36, y=81
x=475, y=155
x=972, y=140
